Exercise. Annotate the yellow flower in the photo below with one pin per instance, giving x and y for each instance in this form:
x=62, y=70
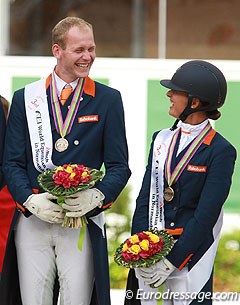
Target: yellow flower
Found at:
x=59, y=168
x=144, y=244
x=154, y=238
x=147, y=232
x=134, y=239
x=69, y=169
x=135, y=249
x=84, y=174
x=72, y=175
x=125, y=247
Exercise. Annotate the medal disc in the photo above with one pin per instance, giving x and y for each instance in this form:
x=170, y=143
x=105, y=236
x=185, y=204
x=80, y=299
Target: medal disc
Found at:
x=61, y=144
x=168, y=194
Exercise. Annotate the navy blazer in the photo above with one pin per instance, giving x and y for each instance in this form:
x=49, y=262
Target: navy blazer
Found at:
x=92, y=143
x=199, y=197
x=2, y=136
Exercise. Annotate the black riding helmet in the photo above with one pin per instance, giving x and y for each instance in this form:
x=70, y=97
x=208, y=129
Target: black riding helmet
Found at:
x=202, y=80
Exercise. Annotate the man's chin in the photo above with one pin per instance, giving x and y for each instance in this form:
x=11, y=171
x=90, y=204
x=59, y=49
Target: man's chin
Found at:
x=83, y=74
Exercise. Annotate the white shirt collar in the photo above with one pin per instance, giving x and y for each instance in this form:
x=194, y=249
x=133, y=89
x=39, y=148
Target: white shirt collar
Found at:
x=192, y=130
x=188, y=133
x=61, y=83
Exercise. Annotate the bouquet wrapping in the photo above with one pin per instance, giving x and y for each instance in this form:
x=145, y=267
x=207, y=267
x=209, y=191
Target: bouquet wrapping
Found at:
x=144, y=249
x=66, y=180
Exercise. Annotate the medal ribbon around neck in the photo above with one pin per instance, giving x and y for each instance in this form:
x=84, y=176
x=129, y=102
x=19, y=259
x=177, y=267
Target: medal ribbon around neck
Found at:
x=64, y=128
x=174, y=176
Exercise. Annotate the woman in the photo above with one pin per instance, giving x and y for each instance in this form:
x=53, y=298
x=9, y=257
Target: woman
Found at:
x=186, y=173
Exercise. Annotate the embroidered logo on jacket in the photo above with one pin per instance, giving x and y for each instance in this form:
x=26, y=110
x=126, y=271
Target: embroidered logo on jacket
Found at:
x=88, y=118
x=196, y=169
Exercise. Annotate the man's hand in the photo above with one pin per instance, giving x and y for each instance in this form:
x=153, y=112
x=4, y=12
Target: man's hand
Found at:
x=156, y=274
x=83, y=202
x=41, y=206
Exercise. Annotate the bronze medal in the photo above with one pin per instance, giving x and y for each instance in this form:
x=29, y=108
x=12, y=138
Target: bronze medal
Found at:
x=168, y=194
x=61, y=144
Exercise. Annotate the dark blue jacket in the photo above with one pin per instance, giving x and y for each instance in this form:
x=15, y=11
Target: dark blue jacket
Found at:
x=199, y=197
x=92, y=143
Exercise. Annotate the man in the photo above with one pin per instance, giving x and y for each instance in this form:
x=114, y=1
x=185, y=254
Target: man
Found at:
x=47, y=129
x=187, y=173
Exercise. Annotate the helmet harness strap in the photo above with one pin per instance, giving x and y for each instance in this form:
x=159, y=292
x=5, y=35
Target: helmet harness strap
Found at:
x=184, y=114
x=188, y=110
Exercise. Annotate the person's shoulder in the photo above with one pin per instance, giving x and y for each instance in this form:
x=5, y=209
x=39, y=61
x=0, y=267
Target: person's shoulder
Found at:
x=105, y=88
x=40, y=82
x=19, y=91
x=156, y=133
x=221, y=142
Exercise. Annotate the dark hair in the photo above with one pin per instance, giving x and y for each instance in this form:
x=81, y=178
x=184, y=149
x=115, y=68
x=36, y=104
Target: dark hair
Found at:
x=214, y=114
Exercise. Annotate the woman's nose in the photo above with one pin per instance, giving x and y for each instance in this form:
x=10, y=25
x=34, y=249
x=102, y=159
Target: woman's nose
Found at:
x=169, y=93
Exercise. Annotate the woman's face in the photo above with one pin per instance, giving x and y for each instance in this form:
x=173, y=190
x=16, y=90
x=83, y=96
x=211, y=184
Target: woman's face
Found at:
x=178, y=102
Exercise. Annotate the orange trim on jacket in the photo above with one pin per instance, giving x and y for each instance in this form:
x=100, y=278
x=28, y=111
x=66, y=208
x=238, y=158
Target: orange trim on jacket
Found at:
x=89, y=86
x=177, y=231
x=185, y=261
x=105, y=206
x=209, y=137
x=20, y=207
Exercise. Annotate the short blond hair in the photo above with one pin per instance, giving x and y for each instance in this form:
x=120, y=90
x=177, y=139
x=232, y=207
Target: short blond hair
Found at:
x=62, y=27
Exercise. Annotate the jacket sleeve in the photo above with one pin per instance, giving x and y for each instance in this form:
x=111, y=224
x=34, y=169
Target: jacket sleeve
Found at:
x=115, y=153
x=214, y=193
x=15, y=164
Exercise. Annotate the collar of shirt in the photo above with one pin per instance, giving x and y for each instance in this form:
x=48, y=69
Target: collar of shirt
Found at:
x=61, y=83
x=188, y=133
x=192, y=130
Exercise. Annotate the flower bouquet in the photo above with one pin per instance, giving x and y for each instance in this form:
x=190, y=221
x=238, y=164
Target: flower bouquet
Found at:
x=144, y=249
x=66, y=180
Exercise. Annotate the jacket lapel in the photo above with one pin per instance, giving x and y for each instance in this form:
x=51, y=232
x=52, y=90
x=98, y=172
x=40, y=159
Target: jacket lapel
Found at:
x=204, y=145
x=88, y=94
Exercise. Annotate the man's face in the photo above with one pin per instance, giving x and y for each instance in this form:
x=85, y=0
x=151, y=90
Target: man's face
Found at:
x=78, y=56
x=178, y=102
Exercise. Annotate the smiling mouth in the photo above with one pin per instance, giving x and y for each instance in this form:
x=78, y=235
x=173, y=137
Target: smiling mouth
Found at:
x=82, y=65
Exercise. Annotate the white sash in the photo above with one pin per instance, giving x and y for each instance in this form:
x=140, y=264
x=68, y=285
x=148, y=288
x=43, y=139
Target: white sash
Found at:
x=156, y=207
x=39, y=125
x=40, y=132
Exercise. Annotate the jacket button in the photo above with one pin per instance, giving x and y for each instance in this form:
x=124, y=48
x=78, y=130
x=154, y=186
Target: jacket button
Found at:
x=172, y=224
x=76, y=142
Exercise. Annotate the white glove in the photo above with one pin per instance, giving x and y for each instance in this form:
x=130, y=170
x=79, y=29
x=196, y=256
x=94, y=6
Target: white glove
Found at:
x=83, y=202
x=155, y=274
x=41, y=206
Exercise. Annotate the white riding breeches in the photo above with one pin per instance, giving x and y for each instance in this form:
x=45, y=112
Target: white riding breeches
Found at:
x=46, y=251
